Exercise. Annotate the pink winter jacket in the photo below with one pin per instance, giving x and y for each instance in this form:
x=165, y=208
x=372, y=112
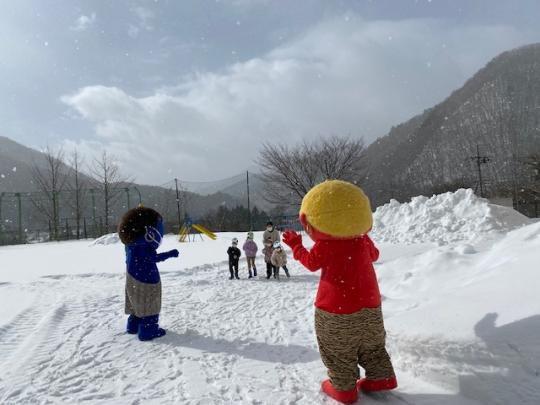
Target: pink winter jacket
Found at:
x=250, y=248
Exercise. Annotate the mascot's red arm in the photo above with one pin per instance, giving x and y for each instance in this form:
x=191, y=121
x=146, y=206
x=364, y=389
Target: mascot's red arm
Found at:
x=312, y=260
x=373, y=251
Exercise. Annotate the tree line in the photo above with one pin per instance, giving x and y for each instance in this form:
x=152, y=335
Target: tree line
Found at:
x=288, y=173
x=60, y=173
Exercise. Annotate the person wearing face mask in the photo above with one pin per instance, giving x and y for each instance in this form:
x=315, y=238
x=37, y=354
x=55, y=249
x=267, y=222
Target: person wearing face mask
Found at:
x=141, y=231
x=271, y=234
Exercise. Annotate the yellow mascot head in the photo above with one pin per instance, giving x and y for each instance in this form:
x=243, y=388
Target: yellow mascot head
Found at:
x=336, y=209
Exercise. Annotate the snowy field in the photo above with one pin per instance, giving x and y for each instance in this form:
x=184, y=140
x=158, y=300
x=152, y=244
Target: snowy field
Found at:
x=460, y=281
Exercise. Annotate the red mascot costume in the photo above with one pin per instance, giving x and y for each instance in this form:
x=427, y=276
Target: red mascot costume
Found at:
x=348, y=318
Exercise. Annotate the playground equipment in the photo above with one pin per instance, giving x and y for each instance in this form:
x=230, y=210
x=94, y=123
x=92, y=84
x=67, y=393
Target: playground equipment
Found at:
x=185, y=231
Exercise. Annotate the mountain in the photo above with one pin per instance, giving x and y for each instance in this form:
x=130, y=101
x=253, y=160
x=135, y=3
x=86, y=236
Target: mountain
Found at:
x=498, y=110
x=16, y=167
x=234, y=186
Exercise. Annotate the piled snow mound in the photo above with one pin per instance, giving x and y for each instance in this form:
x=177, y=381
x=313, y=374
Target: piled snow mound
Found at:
x=443, y=218
x=109, y=239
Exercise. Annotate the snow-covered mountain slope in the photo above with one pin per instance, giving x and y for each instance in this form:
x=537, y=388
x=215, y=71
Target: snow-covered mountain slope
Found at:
x=463, y=322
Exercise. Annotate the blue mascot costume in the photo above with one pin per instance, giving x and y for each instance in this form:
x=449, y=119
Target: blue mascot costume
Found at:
x=141, y=231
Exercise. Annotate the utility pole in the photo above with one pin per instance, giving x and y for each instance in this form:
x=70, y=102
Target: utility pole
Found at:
x=480, y=160
x=178, y=204
x=248, y=202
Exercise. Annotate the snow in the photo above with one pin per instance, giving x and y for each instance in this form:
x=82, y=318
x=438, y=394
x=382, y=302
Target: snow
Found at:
x=109, y=239
x=461, y=311
x=444, y=218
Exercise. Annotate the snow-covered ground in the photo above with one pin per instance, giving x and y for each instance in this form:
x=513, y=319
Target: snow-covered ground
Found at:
x=460, y=301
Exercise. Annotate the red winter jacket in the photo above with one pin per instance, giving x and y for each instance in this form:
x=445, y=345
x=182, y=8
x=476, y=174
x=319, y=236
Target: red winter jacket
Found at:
x=348, y=281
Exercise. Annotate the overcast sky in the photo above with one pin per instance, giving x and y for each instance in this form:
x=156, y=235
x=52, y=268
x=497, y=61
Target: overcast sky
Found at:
x=192, y=88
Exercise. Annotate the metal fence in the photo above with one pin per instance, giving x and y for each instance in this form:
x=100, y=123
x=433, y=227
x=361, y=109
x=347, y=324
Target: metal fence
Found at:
x=22, y=221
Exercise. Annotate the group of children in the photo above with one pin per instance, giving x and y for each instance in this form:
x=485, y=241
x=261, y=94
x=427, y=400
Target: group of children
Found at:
x=348, y=319
x=275, y=256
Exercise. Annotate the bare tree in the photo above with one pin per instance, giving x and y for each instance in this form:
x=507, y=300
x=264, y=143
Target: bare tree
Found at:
x=290, y=172
x=50, y=179
x=78, y=188
x=107, y=175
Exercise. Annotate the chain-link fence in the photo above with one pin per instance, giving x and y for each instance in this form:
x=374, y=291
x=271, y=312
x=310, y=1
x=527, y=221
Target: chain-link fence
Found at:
x=31, y=217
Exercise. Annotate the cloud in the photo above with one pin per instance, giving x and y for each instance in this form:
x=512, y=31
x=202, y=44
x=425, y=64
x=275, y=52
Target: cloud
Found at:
x=343, y=76
x=133, y=31
x=145, y=17
x=144, y=21
x=247, y=3
x=84, y=22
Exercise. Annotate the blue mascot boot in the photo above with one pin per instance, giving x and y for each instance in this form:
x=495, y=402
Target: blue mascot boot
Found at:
x=149, y=329
x=133, y=324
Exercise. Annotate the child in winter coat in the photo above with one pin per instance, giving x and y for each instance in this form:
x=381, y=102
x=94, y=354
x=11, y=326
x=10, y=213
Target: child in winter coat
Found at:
x=141, y=230
x=267, y=251
x=279, y=260
x=348, y=318
x=234, y=256
x=250, y=249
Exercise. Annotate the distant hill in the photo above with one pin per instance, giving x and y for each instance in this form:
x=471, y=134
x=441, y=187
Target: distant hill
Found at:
x=234, y=186
x=497, y=109
x=17, y=161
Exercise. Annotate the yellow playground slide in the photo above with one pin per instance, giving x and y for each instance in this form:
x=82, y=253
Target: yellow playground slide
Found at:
x=205, y=231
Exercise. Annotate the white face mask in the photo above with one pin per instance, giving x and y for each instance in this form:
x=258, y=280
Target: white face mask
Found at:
x=269, y=228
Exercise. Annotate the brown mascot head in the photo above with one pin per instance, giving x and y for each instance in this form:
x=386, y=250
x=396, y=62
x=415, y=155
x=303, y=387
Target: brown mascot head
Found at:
x=134, y=224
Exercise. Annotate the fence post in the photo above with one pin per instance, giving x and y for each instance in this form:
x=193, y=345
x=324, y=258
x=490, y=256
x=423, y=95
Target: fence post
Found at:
x=19, y=216
x=1, y=221
x=126, y=189
x=84, y=227
x=94, y=211
x=67, y=230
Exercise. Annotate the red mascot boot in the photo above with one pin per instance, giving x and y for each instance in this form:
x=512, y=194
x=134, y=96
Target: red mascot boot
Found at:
x=376, y=385
x=345, y=397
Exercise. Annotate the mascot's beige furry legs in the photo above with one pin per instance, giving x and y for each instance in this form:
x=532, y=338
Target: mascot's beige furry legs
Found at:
x=348, y=340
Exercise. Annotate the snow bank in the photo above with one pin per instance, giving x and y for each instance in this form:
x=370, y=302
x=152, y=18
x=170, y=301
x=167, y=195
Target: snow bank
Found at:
x=109, y=239
x=443, y=218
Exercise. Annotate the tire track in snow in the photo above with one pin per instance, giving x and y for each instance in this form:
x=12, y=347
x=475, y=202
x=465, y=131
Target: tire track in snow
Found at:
x=229, y=341
x=15, y=331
